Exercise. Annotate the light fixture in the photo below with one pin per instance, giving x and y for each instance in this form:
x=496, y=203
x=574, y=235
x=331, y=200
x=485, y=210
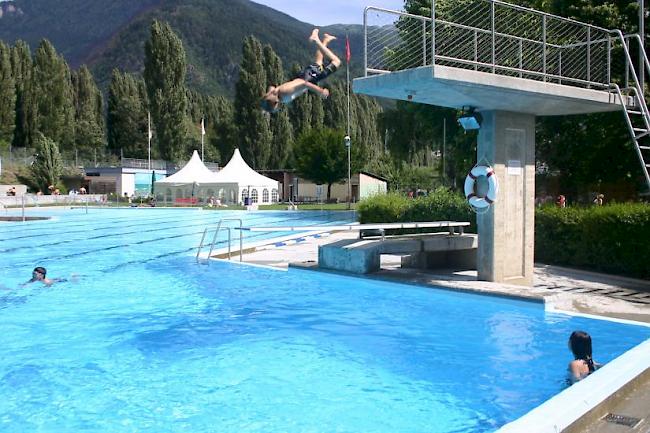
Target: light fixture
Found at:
x=470, y=119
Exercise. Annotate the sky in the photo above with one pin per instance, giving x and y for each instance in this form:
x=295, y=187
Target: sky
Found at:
x=326, y=12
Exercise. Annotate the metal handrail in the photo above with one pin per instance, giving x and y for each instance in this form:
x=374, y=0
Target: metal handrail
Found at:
x=214, y=239
x=551, y=67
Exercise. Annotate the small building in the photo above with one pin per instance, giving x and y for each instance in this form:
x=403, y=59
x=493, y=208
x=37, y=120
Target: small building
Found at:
x=297, y=189
x=121, y=180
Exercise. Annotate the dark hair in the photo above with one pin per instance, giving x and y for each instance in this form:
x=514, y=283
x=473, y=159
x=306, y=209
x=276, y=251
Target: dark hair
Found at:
x=580, y=344
x=40, y=270
x=268, y=106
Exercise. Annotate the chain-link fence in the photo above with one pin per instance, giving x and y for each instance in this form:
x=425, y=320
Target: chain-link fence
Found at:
x=499, y=38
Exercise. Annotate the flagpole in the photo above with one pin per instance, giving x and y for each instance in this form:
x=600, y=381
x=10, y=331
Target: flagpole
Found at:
x=149, y=137
x=202, y=135
x=347, y=137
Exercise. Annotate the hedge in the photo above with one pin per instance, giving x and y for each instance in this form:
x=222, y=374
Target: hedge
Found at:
x=441, y=205
x=613, y=238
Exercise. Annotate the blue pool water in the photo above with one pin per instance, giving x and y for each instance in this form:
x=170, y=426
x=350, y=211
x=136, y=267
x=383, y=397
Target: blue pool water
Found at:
x=143, y=339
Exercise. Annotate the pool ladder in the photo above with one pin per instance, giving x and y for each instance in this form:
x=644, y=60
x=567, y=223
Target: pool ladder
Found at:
x=214, y=238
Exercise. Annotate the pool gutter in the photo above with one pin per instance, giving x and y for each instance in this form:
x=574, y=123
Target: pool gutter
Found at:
x=588, y=400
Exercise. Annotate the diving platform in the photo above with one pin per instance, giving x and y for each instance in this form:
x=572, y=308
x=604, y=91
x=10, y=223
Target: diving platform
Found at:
x=451, y=87
x=510, y=64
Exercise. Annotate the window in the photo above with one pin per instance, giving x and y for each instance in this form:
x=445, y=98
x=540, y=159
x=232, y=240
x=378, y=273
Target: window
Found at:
x=274, y=195
x=244, y=194
x=254, y=196
x=222, y=194
x=265, y=196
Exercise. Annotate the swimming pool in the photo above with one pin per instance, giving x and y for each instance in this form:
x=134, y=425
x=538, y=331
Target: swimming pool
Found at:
x=146, y=340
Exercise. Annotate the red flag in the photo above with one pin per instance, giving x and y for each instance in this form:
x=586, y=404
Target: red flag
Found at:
x=347, y=49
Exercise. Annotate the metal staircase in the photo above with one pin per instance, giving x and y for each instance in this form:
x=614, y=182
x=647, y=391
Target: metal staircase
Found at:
x=637, y=115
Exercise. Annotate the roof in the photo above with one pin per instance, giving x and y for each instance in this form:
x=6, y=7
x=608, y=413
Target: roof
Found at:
x=193, y=172
x=367, y=173
x=237, y=171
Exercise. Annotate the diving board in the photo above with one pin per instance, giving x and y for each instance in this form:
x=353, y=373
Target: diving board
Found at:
x=451, y=225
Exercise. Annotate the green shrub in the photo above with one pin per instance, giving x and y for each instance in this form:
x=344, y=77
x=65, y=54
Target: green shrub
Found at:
x=614, y=238
x=382, y=208
x=441, y=205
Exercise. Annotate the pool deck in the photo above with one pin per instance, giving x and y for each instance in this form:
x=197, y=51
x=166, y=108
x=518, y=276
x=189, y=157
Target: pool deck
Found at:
x=564, y=289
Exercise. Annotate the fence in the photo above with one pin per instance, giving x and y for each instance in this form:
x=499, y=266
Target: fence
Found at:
x=499, y=38
x=47, y=200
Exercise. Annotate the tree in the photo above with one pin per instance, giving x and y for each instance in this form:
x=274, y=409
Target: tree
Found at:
x=126, y=122
x=49, y=100
x=21, y=65
x=254, y=126
x=7, y=97
x=47, y=166
x=164, y=74
x=322, y=157
x=89, y=113
x=221, y=133
x=281, y=129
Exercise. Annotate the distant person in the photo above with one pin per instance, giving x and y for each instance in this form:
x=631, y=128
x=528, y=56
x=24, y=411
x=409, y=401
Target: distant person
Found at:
x=583, y=364
x=11, y=191
x=560, y=201
x=82, y=190
x=306, y=80
x=598, y=201
x=40, y=274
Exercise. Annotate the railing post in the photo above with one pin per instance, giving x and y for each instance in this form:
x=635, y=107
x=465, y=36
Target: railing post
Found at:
x=493, y=37
x=424, y=43
x=476, y=50
x=609, y=59
x=544, y=47
x=521, y=58
x=22, y=199
x=588, y=56
x=365, y=41
x=627, y=64
x=433, y=32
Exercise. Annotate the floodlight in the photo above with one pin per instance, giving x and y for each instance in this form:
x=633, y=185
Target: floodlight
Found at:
x=470, y=119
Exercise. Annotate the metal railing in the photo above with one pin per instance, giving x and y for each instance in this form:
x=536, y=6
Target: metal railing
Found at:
x=214, y=239
x=495, y=37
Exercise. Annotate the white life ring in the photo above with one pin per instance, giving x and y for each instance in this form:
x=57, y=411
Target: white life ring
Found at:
x=476, y=200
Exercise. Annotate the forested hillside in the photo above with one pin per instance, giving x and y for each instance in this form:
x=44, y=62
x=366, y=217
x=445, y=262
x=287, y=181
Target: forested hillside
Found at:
x=107, y=35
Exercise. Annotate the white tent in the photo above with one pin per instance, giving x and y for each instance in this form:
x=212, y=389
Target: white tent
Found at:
x=235, y=182
x=238, y=176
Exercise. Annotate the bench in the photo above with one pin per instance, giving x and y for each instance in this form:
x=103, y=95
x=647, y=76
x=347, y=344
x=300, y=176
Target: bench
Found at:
x=186, y=201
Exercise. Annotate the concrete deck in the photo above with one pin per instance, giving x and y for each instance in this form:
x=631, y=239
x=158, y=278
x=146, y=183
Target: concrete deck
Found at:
x=456, y=88
x=560, y=288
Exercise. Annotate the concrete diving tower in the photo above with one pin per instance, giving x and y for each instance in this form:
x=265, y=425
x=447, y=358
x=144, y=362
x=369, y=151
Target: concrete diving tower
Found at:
x=511, y=64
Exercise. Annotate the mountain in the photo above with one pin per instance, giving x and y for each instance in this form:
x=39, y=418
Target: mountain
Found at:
x=107, y=35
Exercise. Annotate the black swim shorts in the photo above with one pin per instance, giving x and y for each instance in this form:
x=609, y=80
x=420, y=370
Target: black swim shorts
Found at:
x=315, y=72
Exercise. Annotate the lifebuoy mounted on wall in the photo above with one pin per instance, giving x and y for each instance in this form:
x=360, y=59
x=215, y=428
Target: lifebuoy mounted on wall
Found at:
x=481, y=187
